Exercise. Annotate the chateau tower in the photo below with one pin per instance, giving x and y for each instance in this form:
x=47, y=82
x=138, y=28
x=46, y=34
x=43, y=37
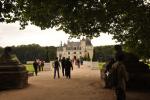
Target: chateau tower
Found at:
x=76, y=49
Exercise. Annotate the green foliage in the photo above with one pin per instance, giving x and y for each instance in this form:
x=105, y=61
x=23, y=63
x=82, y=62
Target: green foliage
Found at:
x=1, y=50
x=102, y=53
x=29, y=67
x=34, y=51
x=141, y=50
x=149, y=66
x=127, y=20
x=101, y=64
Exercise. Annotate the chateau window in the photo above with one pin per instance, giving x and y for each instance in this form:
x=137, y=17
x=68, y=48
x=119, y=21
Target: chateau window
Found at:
x=69, y=53
x=74, y=52
x=75, y=48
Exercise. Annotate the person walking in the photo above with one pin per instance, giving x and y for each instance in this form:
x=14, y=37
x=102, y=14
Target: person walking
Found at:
x=63, y=64
x=68, y=68
x=39, y=64
x=42, y=64
x=78, y=63
x=120, y=77
x=35, y=65
x=56, y=68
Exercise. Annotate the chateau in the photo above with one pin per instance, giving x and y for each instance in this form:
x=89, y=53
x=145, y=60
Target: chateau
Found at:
x=77, y=50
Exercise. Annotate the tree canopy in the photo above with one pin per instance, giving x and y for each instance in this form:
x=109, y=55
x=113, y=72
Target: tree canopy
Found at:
x=127, y=20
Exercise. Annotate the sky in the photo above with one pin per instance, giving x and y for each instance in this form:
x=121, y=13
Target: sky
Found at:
x=10, y=35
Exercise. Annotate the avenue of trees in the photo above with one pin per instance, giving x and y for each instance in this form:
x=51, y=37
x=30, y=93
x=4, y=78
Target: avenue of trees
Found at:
x=127, y=20
x=103, y=53
x=32, y=52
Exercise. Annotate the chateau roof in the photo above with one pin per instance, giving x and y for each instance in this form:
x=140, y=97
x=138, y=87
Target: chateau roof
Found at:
x=70, y=44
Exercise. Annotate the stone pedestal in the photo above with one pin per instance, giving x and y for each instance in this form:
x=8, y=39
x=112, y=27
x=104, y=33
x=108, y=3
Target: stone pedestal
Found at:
x=13, y=76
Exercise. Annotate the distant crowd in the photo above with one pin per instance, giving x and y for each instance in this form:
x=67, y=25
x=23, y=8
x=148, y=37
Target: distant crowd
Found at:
x=65, y=64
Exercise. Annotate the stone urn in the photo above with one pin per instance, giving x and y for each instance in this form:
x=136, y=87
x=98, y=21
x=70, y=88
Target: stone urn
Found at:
x=13, y=76
x=12, y=73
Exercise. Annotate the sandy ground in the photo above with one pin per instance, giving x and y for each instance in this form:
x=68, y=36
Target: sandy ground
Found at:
x=84, y=85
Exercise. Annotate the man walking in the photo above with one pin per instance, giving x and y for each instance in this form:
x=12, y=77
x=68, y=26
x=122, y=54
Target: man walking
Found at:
x=56, y=68
x=63, y=64
x=35, y=65
x=42, y=65
x=68, y=68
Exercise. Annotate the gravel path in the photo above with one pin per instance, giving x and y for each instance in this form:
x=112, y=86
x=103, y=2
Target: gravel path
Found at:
x=84, y=85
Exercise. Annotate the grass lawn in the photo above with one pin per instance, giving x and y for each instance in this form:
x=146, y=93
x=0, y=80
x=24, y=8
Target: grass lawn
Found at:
x=101, y=64
x=29, y=67
x=149, y=66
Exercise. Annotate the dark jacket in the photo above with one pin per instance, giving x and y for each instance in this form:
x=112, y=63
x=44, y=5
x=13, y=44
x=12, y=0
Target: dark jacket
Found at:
x=56, y=64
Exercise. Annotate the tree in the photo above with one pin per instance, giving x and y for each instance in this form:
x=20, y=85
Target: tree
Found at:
x=34, y=51
x=8, y=11
x=127, y=20
x=1, y=50
x=103, y=53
